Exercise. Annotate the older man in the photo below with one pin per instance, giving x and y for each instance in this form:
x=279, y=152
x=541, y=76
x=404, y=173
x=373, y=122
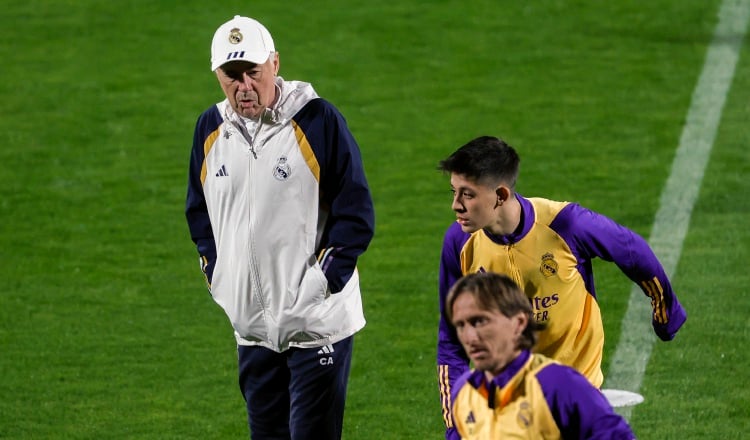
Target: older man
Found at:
x=279, y=208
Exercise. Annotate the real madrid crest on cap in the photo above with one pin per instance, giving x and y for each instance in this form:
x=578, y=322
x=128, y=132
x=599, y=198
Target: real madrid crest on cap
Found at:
x=235, y=36
x=282, y=170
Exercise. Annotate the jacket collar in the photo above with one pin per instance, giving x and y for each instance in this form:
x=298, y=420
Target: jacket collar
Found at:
x=478, y=379
x=524, y=226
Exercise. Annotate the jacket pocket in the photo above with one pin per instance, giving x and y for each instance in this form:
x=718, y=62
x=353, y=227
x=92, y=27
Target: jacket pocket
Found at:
x=311, y=292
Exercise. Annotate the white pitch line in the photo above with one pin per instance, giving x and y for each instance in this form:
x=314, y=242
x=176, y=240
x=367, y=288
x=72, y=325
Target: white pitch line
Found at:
x=680, y=192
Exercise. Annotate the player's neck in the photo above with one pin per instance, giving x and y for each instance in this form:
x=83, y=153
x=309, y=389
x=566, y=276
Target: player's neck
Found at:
x=508, y=218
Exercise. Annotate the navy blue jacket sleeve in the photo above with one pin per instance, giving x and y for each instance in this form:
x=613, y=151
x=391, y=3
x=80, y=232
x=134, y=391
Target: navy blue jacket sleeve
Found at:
x=196, y=211
x=344, y=191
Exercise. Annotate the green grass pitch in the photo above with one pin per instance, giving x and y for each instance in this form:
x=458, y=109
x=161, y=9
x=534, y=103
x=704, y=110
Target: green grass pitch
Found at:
x=106, y=329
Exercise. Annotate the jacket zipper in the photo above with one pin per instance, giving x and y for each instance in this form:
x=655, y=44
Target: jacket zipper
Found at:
x=512, y=263
x=251, y=242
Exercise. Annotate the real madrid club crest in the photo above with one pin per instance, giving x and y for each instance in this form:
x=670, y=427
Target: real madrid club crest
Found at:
x=524, y=416
x=549, y=265
x=235, y=36
x=282, y=170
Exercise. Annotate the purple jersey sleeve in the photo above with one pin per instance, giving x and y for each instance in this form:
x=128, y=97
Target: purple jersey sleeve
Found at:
x=580, y=410
x=591, y=235
x=451, y=358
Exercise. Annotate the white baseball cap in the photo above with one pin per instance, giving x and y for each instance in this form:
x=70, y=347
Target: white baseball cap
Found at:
x=241, y=38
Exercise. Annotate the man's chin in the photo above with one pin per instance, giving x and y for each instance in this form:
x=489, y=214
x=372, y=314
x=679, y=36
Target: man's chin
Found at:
x=469, y=229
x=251, y=112
x=479, y=358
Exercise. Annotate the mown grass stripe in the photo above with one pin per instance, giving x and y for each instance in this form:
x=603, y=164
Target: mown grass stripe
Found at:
x=681, y=191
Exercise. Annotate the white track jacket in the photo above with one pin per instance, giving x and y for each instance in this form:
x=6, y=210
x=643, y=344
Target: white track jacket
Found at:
x=280, y=210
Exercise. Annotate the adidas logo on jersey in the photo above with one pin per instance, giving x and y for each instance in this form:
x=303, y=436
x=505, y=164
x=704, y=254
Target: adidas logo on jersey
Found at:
x=471, y=423
x=222, y=172
x=326, y=350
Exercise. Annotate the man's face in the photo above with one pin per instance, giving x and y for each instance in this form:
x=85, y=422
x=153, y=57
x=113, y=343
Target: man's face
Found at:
x=489, y=338
x=474, y=203
x=249, y=87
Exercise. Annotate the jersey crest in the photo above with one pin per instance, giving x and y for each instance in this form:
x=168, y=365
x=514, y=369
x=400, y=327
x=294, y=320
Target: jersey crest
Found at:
x=524, y=416
x=549, y=265
x=282, y=170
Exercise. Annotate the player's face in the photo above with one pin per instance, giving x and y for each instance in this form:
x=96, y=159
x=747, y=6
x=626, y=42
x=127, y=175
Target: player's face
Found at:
x=489, y=338
x=249, y=87
x=474, y=203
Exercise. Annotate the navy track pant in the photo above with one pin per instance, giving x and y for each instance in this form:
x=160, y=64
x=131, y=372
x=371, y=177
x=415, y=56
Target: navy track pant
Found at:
x=298, y=394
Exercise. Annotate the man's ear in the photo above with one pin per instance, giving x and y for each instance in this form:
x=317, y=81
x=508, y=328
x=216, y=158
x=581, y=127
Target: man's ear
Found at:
x=503, y=194
x=522, y=320
x=276, y=64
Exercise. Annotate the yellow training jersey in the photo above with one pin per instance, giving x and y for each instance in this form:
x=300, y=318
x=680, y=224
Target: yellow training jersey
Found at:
x=547, y=270
x=534, y=398
x=550, y=257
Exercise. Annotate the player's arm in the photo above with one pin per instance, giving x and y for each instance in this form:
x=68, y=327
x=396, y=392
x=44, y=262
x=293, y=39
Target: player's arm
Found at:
x=595, y=235
x=196, y=211
x=579, y=409
x=345, y=193
x=451, y=358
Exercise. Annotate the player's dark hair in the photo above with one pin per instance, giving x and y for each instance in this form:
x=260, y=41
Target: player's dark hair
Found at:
x=498, y=292
x=484, y=159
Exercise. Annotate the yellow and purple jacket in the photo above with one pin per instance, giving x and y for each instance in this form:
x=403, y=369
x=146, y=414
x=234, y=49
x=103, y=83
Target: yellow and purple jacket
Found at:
x=550, y=257
x=534, y=398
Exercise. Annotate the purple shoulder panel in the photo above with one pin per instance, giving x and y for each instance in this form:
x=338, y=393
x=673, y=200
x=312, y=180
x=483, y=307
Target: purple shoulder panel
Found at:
x=580, y=410
x=590, y=235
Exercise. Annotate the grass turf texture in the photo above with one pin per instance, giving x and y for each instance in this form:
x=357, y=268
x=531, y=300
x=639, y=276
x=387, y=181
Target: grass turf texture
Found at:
x=106, y=330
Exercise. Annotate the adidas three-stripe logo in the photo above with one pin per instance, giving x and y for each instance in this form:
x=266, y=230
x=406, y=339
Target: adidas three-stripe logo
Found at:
x=326, y=350
x=222, y=172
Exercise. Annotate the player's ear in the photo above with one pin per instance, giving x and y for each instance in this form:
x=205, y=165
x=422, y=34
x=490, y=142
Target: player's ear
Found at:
x=522, y=321
x=503, y=194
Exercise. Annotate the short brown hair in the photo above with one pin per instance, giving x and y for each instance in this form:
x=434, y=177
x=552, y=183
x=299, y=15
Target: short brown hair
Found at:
x=497, y=292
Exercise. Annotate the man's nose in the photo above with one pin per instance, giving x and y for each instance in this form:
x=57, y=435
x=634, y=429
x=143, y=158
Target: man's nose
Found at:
x=468, y=334
x=246, y=82
x=457, y=205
